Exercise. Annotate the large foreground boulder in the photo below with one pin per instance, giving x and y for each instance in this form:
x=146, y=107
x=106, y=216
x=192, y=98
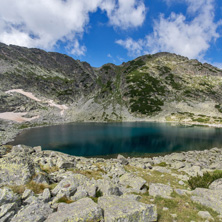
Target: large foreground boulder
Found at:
x=36, y=211
x=208, y=198
x=84, y=210
x=120, y=209
x=17, y=167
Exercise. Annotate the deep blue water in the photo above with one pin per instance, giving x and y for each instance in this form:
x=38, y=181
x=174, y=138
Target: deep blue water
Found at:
x=137, y=138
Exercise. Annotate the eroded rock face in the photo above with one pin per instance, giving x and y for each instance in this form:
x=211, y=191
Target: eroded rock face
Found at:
x=125, y=209
x=81, y=210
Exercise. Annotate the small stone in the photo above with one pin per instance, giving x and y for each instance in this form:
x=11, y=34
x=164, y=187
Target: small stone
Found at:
x=173, y=216
x=181, y=182
x=165, y=209
x=205, y=215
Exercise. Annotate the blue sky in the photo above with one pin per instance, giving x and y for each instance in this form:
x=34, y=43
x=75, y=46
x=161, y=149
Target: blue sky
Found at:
x=116, y=31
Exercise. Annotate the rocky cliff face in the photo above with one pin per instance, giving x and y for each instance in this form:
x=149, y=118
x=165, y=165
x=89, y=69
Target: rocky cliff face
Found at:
x=47, y=88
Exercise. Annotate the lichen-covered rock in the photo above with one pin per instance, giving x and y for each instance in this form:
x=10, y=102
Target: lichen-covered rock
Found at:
x=36, y=211
x=205, y=215
x=69, y=185
x=84, y=210
x=108, y=188
x=63, y=163
x=7, y=209
x=209, y=198
x=7, y=196
x=122, y=160
x=17, y=167
x=158, y=189
x=130, y=180
x=216, y=185
x=118, y=209
x=27, y=193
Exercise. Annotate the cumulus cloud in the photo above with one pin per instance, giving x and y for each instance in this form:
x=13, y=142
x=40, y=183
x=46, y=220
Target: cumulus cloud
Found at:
x=43, y=23
x=179, y=35
x=126, y=13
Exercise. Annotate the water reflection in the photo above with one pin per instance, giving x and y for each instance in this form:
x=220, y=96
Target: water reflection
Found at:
x=94, y=139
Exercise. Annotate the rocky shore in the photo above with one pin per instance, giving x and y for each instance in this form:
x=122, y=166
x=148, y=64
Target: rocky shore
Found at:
x=38, y=185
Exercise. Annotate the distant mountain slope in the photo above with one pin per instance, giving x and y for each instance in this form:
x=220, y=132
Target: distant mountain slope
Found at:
x=163, y=87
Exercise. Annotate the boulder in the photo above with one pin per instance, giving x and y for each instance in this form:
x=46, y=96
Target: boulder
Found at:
x=8, y=196
x=130, y=180
x=36, y=211
x=82, y=210
x=122, y=160
x=63, y=163
x=17, y=167
x=158, y=189
x=124, y=209
x=208, y=198
x=216, y=185
x=69, y=185
x=205, y=215
x=7, y=209
x=108, y=188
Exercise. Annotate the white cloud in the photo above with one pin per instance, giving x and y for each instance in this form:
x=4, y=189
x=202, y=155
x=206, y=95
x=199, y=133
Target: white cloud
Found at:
x=134, y=47
x=178, y=35
x=125, y=14
x=43, y=23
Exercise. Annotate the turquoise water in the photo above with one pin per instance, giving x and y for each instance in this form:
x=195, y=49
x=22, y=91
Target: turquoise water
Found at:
x=137, y=138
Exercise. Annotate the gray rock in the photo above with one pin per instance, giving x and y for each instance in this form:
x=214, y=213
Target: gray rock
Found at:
x=7, y=196
x=40, y=178
x=205, y=215
x=30, y=200
x=122, y=160
x=161, y=169
x=108, y=188
x=27, y=193
x=37, y=211
x=63, y=163
x=46, y=195
x=7, y=217
x=123, y=210
x=216, y=185
x=81, y=210
x=130, y=180
x=17, y=168
x=182, y=192
x=69, y=185
x=37, y=149
x=6, y=208
x=209, y=198
x=178, y=165
x=158, y=189
x=80, y=193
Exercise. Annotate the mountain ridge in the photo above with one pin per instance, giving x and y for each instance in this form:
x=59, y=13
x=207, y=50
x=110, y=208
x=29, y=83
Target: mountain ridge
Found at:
x=160, y=87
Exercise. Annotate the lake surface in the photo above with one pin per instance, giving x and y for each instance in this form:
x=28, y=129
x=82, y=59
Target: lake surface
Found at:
x=132, y=139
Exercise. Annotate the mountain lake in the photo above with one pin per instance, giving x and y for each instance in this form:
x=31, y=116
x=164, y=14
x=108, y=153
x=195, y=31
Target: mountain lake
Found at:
x=129, y=138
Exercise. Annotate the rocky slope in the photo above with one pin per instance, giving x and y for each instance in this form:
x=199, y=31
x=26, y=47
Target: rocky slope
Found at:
x=41, y=88
x=38, y=185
